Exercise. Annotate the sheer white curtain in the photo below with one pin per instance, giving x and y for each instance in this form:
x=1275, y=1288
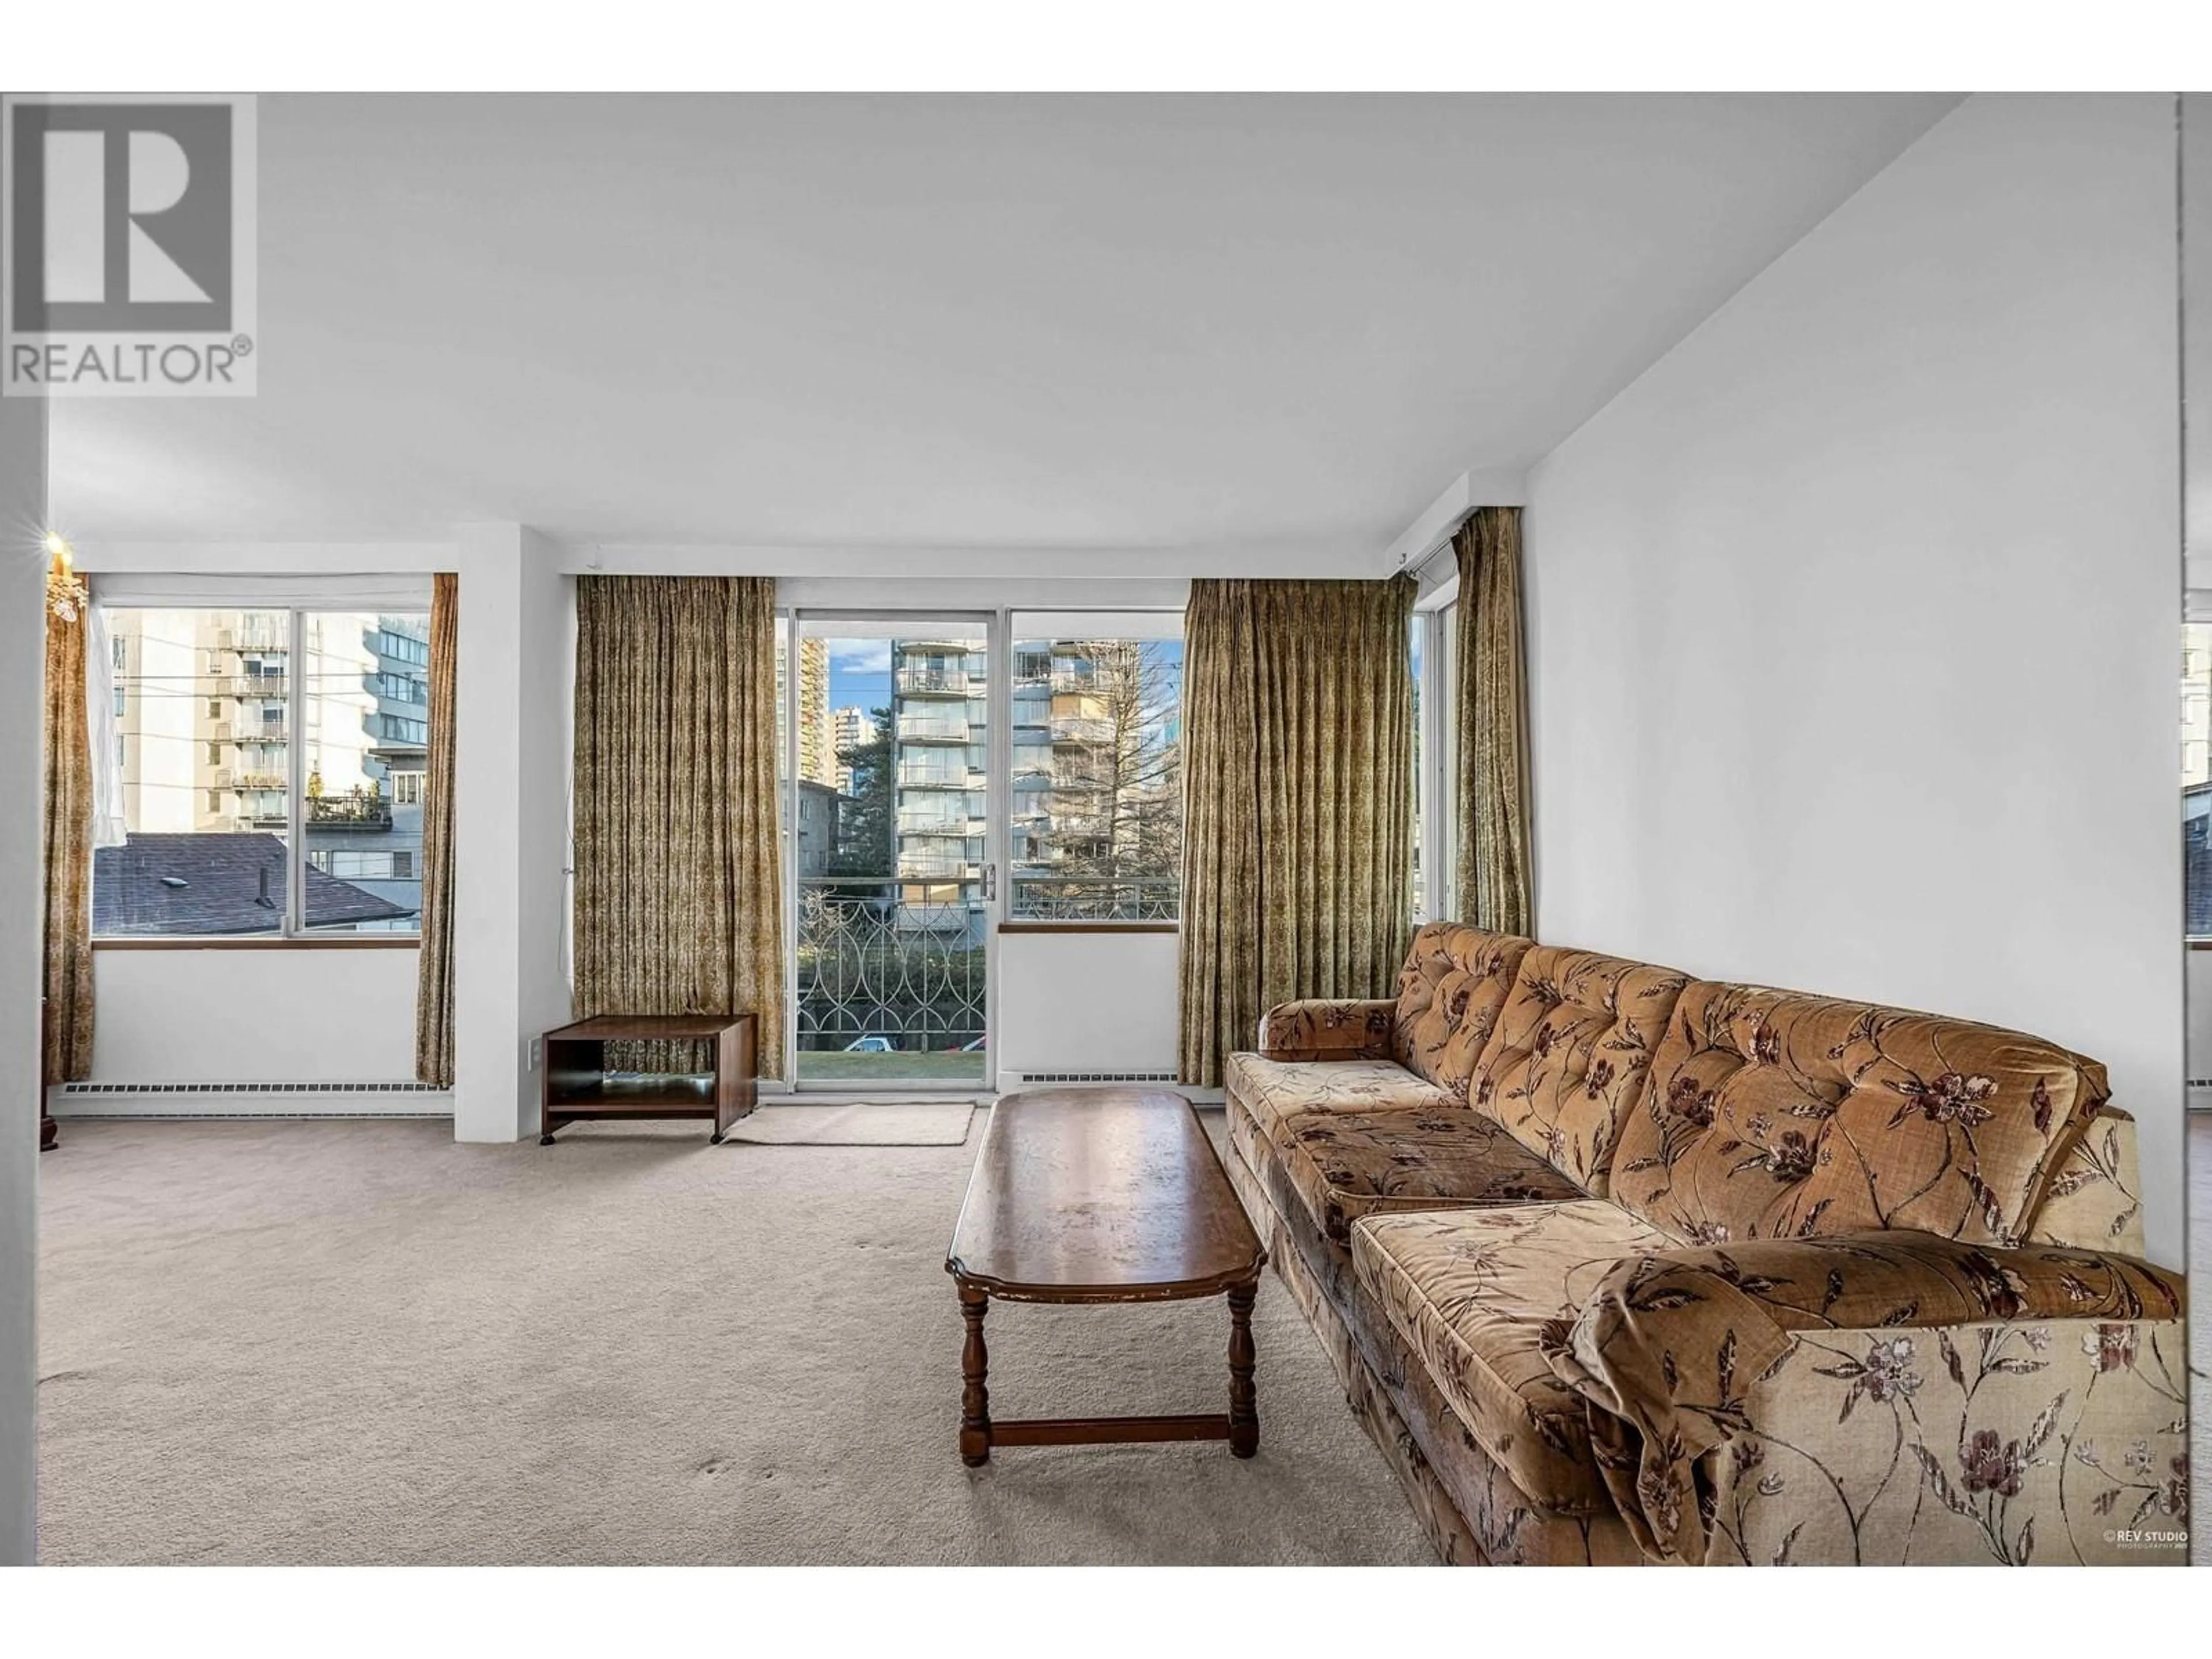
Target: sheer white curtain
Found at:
x=99, y=719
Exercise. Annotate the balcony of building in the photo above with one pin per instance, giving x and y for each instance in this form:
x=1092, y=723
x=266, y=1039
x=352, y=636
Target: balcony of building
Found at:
x=250, y=685
x=930, y=817
x=960, y=778
x=932, y=727
x=924, y=679
x=933, y=867
x=245, y=779
x=257, y=639
x=1081, y=729
x=349, y=811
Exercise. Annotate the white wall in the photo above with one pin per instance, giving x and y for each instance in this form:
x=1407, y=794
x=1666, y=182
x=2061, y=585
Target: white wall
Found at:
x=1852, y=622
x=254, y=1015
x=1087, y=1002
x=510, y=804
x=2199, y=1045
x=22, y=670
x=2196, y=326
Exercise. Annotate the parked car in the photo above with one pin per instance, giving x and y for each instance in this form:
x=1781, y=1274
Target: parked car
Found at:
x=871, y=1045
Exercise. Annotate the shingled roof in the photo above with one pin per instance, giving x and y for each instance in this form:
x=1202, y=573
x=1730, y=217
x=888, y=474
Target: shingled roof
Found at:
x=211, y=885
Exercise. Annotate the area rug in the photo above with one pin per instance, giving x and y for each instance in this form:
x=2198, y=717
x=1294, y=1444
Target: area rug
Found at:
x=878, y=1123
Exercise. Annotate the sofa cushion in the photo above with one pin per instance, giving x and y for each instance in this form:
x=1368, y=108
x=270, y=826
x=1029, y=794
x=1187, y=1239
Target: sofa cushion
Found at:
x=1271, y=1089
x=1570, y=1054
x=1347, y=1164
x=1774, y=1114
x=1453, y=983
x=2095, y=1201
x=1480, y=1296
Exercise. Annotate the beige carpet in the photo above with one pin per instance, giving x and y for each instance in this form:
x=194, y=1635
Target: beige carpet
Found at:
x=357, y=1341
x=874, y=1123
x=2200, y=1324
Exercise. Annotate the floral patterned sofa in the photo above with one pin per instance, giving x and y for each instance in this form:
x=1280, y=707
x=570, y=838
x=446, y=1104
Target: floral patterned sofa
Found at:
x=1620, y=1266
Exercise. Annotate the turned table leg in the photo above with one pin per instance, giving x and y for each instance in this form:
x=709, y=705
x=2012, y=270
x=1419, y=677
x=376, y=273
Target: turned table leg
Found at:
x=1244, y=1399
x=974, y=1397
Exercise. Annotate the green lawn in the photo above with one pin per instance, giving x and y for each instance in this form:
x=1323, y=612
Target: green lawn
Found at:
x=815, y=1066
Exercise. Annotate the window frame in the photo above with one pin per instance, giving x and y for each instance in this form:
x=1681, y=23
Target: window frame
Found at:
x=292, y=932
x=1010, y=921
x=1439, y=766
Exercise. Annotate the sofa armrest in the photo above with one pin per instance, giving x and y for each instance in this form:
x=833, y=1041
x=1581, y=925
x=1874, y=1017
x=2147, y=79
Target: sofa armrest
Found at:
x=1322, y=1027
x=1886, y=1396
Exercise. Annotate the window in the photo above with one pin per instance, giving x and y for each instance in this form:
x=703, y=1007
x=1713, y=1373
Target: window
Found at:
x=1432, y=656
x=1096, y=798
x=1442, y=816
x=1417, y=637
x=269, y=787
x=2196, y=777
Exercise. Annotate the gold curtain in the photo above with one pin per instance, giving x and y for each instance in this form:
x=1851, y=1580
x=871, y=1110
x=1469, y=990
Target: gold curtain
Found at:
x=434, y=984
x=1297, y=802
x=1494, y=886
x=67, y=909
x=680, y=891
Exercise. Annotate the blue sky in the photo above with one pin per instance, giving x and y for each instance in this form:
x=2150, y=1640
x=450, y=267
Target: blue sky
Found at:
x=860, y=674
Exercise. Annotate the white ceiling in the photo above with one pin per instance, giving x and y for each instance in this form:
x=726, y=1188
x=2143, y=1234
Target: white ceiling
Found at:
x=1063, y=324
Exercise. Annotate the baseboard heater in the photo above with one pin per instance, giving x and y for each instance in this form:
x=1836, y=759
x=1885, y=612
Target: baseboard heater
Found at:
x=257, y=1099
x=1028, y=1077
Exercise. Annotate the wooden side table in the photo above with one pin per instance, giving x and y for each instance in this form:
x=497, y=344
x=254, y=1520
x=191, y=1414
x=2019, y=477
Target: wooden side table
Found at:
x=576, y=1085
x=48, y=1133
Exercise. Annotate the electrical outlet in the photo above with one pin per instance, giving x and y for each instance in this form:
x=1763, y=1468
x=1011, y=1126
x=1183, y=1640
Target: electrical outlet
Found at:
x=536, y=1054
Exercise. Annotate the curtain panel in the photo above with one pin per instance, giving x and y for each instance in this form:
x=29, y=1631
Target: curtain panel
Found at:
x=1297, y=803
x=67, y=987
x=1495, y=887
x=433, y=986
x=679, y=892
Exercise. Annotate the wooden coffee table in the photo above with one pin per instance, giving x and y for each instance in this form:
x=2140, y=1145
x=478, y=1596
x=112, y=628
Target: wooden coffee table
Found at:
x=1089, y=1195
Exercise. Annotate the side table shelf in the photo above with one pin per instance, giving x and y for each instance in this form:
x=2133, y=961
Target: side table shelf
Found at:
x=576, y=1085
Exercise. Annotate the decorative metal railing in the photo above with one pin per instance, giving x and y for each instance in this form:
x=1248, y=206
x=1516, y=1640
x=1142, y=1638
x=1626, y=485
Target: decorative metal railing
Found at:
x=871, y=965
x=1097, y=898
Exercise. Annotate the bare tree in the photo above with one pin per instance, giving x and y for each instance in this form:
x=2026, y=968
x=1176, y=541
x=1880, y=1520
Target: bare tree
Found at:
x=1115, y=815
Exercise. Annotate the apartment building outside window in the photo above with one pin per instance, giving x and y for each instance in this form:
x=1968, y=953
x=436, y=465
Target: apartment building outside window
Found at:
x=2196, y=778
x=1096, y=830
x=271, y=763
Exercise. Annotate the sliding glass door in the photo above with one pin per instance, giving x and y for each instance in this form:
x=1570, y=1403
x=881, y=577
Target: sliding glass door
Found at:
x=887, y=814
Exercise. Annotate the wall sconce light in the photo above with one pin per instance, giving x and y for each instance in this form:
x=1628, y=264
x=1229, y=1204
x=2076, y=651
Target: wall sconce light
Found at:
x=66, y=593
